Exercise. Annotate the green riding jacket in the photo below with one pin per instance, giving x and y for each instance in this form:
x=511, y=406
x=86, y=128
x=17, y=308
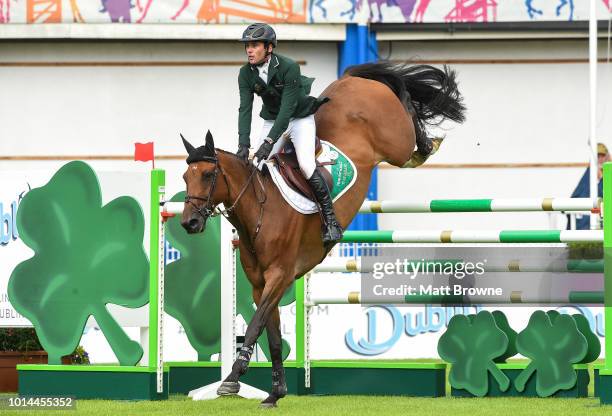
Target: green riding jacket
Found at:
x=284, y=96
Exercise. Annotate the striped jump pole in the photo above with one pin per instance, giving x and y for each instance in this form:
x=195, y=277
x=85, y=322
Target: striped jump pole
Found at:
x=470, y=236
x=462, y=205
x=342, y=265
x=357, y=298
x=481, y=205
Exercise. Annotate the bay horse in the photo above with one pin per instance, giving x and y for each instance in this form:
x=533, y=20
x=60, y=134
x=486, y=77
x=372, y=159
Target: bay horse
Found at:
x=376, y=112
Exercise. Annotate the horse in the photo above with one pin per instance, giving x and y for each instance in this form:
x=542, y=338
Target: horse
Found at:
x=376, y=112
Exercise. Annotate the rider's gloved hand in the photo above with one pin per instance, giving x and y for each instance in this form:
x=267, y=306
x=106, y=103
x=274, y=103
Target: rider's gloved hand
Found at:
x=264, y=150
x=243, y=152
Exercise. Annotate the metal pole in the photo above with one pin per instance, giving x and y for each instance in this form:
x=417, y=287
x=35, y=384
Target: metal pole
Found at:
x=156, y=278
x=593, y=181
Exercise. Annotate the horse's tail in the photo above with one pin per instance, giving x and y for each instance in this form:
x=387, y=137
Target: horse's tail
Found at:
x=429, y=92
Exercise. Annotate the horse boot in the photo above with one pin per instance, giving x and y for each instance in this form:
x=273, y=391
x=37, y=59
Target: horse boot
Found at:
x=279, y=388
x=231, y=385
x=331, y=229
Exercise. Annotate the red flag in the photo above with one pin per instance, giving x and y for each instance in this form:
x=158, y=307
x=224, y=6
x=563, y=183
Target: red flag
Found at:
x=144, y=152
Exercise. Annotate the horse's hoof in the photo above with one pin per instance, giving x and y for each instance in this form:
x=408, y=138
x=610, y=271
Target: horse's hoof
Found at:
x=228, y=388
x=418, y=159
x=269, y=402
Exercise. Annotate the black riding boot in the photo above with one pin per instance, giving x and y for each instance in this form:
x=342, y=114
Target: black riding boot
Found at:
x=332, y=231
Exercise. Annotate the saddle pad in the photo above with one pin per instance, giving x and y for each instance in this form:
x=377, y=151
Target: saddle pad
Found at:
x=343, y=172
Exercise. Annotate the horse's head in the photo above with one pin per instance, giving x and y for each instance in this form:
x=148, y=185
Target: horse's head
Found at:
x=205, y=186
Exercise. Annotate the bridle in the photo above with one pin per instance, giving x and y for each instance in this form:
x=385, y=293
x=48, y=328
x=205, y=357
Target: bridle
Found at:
x=209, y=209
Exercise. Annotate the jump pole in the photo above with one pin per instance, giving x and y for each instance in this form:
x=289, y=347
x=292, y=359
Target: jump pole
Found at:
x=343, y=265
x=357, y=298
x=482, y=205
x=472, y=236
x=471, y=205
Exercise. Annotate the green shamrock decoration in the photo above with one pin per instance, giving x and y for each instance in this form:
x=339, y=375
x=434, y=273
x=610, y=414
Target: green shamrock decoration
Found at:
x=594, y=346
x=553, y=315
x=553, y=347
x=471, y=344
x=502, y=323
x=193, y=287
x=85, y=256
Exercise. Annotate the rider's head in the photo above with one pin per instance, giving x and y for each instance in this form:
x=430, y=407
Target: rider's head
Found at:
x=259, y=39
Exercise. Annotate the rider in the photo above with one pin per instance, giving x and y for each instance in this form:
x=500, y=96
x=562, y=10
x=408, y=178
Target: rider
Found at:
x=287, y=111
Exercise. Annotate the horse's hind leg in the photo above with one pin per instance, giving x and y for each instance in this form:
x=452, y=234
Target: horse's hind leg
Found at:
x=277, y=281
x=279, y=385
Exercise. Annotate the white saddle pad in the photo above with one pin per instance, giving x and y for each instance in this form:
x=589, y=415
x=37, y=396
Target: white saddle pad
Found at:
x=343, y=171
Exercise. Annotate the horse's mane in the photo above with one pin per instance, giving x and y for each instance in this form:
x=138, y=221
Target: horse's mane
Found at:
x=225, y=152
x=234, y=156
x=228, y=153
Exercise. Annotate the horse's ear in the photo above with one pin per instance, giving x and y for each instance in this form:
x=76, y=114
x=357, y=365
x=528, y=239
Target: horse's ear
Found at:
x=210, y=143
x=187, y=145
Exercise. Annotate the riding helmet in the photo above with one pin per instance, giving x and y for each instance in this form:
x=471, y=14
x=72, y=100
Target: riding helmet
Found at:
x=259, y=32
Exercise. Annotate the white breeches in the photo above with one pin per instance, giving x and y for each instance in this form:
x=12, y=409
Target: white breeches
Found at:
x=302, y=133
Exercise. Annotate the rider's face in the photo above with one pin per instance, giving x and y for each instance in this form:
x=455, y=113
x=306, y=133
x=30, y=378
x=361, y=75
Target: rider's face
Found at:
x=255, y=51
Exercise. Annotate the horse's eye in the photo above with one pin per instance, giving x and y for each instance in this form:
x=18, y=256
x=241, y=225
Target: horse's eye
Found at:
x=207, y=175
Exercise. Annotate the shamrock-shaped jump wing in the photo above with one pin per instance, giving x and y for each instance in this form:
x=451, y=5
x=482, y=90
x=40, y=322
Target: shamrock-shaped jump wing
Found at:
x=502, y=323
x=85, y=256
x=594, y=346
x=553, y=345
x=471, y=344
x=193, y=285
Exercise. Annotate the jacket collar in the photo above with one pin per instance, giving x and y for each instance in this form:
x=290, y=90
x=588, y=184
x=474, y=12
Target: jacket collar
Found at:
x=272, y=68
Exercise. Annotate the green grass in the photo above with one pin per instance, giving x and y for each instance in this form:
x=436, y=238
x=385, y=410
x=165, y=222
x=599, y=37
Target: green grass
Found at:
x=338, y=406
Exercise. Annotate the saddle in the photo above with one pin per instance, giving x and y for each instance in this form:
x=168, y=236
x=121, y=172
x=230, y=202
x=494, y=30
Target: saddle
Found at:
x=289, y=169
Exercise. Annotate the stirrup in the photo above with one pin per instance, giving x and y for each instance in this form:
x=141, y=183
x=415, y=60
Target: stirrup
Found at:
x=417, y=159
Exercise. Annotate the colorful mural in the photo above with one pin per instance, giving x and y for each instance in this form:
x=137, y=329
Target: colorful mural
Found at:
x=295, y=11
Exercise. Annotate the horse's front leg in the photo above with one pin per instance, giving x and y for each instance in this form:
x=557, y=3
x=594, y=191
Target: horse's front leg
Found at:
x=276, y=282
x=275, y=342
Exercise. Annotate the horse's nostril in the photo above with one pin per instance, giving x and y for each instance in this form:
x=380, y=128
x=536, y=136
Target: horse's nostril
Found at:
x=193, y=223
